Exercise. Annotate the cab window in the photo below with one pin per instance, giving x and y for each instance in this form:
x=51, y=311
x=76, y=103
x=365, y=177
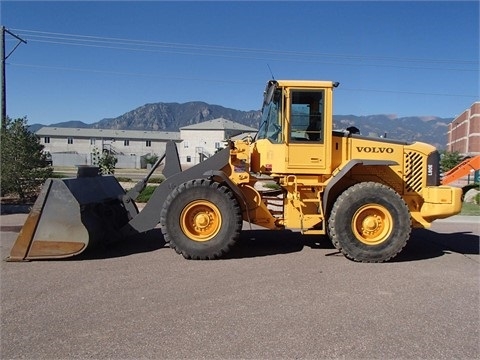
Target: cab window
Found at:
x=306, y=116
x=271, y=124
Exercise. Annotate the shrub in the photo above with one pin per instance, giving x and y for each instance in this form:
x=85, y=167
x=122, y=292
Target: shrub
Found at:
x=123, y=179
x=105, y=161
x=271, y=185
x=448, y=160
x=156, y=180
x=146, y=194
x=24, y=166
x=151, y=159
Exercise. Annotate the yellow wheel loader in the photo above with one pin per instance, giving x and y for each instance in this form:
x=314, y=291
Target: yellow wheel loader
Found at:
x=365, y=193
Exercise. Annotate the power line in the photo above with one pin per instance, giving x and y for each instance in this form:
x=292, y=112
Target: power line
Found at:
x=136, y=74
x=302, y=60
x=297, y=59
x=88, y=38
x=3, y=81
x=408, y=92
x=238, y=52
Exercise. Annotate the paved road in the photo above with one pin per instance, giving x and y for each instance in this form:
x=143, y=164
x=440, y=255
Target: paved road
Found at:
x=279, y=295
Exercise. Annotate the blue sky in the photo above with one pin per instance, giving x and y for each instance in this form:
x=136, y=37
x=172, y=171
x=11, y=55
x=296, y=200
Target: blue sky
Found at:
x=92, y=60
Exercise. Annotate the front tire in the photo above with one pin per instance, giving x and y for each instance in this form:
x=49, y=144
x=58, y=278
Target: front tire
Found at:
x=201, y=219
x=369, y=222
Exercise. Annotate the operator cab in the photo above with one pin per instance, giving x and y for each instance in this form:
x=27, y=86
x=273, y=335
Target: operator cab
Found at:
x=295, y=128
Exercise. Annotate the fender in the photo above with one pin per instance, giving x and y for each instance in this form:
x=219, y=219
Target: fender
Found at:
x=211, y=173
x=346, y=169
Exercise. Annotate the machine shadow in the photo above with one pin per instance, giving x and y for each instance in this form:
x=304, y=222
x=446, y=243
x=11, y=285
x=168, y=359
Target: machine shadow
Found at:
x=141, y=243
x=252, y=243
x=257, y=243
x=427, y=244
x=423, y=244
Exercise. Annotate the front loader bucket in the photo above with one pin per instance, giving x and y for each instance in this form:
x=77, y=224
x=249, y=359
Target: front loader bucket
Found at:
x=71, y=215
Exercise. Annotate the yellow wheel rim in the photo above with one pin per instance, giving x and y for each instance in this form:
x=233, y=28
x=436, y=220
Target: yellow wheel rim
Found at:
x=372, y=224
x=200, y=220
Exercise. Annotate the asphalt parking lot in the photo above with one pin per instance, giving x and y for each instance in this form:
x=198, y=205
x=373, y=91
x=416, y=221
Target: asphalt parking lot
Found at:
x=277, y=296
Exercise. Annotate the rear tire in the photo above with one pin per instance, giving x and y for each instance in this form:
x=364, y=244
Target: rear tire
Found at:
x=369, y=222
x=201, y=219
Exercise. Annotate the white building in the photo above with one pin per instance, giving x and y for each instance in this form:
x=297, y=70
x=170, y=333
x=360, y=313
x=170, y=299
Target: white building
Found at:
x=73, y=146
x=202, y=140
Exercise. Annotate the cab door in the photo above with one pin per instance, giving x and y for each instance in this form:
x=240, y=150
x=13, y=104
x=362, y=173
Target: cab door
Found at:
x=309, y=122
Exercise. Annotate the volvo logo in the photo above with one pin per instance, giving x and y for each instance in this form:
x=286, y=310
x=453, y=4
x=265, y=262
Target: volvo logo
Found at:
x=375, y=150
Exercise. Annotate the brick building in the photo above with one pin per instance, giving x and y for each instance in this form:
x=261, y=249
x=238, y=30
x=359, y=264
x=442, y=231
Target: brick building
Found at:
x=464, y=132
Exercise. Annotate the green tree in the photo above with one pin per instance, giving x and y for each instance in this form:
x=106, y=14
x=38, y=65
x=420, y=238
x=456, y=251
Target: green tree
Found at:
x=449, y=159
x=105, y=161
x=23, y=166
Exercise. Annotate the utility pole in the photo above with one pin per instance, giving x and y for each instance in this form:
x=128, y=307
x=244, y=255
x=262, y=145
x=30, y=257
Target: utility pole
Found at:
x=3, y=81
x=2, y=75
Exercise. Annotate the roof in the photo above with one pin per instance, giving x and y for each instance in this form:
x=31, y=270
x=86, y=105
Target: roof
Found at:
x=108, y=133
x=244, y=135
x=307, y=83
x=218, y=124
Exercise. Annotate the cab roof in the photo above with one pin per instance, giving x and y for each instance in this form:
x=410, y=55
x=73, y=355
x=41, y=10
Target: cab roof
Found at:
x=307, y=83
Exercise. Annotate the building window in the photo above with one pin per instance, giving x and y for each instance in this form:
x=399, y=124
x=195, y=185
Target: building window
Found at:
x=218, y=145
x=126, y=142
x=46, y=139
x=185, y=144
x=148, y=143
x=92, y=141
x=189, y=159
x=70, y=140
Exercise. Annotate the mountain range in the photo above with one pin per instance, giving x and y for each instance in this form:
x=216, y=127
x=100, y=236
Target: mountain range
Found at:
x=172, y=116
